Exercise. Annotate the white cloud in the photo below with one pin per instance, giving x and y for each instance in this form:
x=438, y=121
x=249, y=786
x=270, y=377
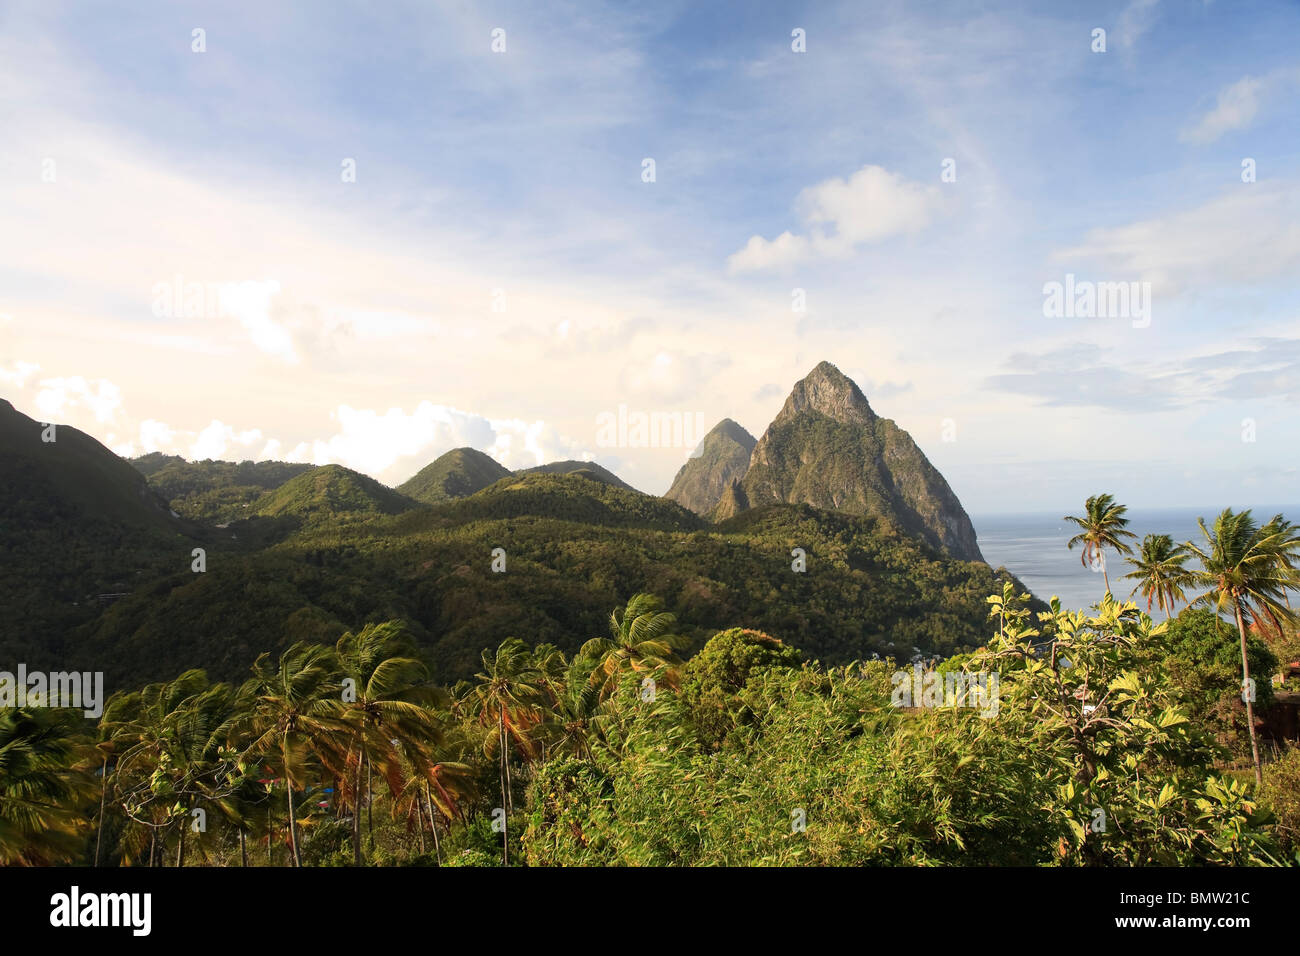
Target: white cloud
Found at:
x=18, y=374
x=215, y=440
x=871, y=205
x=58, y=396
x=394, y=445
x=250, y=303
x=1248, y=234
x=155, y=436
x=1238, y=103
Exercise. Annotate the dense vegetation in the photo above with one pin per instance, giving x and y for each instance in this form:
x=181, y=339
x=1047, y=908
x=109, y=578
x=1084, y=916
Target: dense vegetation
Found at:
x=746, y=754
x=214, y=491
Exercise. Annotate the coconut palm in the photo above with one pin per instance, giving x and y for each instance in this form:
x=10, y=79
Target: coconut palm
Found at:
x=42, y=791
x=1248, y=570
x=507, y=695
x=297, y=718
x=387, y=706
x=1103, y=526
x=1160, y=573
x=641, y=639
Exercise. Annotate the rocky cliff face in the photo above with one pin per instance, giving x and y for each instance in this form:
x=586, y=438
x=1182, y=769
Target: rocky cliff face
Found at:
x=827, y=448
x=723, y=457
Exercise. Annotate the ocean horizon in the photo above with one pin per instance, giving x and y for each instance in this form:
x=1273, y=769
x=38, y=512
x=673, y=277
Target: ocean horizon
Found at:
x=1032, y=546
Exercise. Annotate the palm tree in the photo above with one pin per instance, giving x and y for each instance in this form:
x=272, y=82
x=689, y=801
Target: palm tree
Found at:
x=297, y=715
x=506, y=695
x=1248, y=569
x=1160, y=573
x=1103, y=527
x=387, y=710
x=42, y=791
x=641, y=639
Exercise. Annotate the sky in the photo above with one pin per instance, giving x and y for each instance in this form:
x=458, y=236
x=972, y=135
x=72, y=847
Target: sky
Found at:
x=366, y=234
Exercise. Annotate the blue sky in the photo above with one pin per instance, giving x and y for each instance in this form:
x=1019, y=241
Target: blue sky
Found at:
x=499, y=274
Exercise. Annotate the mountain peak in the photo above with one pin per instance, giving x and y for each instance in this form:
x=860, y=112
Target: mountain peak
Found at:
x=721, y=458
x=830, y=392
x=828, y=449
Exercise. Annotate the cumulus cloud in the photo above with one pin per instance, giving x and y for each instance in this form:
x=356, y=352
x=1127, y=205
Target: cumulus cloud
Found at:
x=59, y=396
x=219, y=440
x=395, y=444
x=250, y=303
x=871, y=205
x=18, y=373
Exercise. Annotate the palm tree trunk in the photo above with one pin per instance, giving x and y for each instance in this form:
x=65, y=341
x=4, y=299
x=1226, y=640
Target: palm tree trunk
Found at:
x=1250, y=706
x=505, y=823
x=356, y=816
x=370, y=811
x=103, y=792
x=293, y=827
x=433, y=825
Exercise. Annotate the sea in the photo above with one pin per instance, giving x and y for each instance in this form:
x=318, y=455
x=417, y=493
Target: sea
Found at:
x=1032, y=547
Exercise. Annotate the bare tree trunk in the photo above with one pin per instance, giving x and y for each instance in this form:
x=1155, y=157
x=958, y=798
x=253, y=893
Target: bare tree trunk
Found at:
x=180, y=844
x=1250, y=704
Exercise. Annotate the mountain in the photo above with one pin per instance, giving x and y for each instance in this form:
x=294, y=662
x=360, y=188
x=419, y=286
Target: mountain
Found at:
x=721, y=458
x=214, y=491
x=569, y=467
x=332, y=490
x=459, y=472
x=582, y=496
x=78, y=528
x=827, y=448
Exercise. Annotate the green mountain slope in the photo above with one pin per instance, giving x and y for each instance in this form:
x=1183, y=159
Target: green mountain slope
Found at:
x=829, y=449
x=721, y=458
x=456, y=474
x=76, y=522
x=332, y=491
x=214, y=491
x=569, y=467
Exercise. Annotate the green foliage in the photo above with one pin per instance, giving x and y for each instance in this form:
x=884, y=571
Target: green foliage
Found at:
x=717, y=679
x=214, y=491
x=1202, y=660
x=1281, y=793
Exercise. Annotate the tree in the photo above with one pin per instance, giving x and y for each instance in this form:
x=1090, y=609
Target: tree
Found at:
x=297, y=718
x=506, y=695
x=1160, y=572
x=1103, y=527
x=1248, y=570
x=386, y=705
x=641, y=639
x=41, y=788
